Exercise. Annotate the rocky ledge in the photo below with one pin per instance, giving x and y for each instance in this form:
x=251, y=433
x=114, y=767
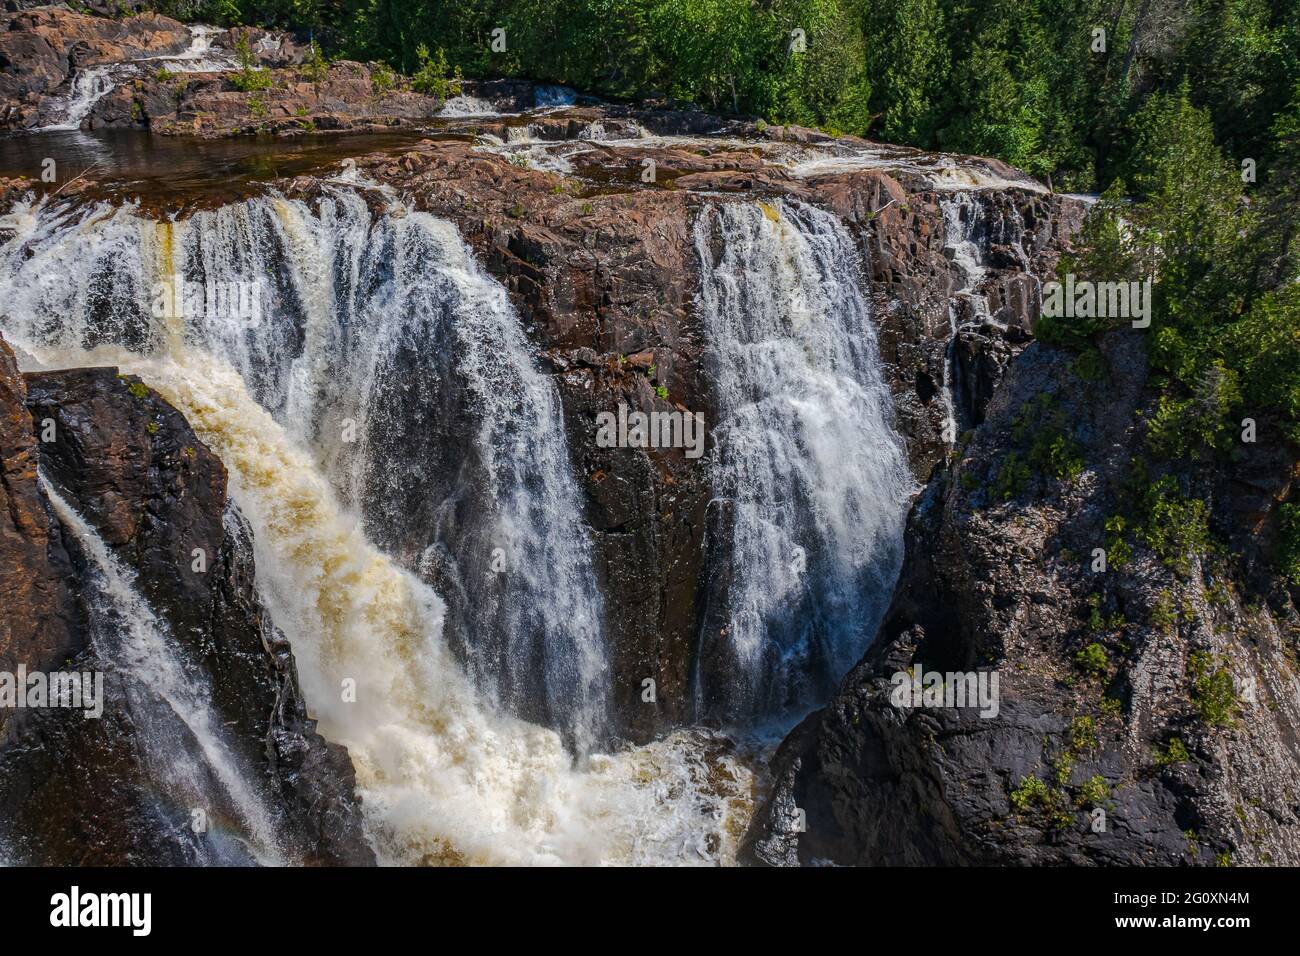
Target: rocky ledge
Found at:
x=1148, y=708
x=604, y=270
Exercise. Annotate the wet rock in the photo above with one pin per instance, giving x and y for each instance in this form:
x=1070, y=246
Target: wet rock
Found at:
x=41, y=48
x=131, y=466
x=1006, y=583
x=606, y=281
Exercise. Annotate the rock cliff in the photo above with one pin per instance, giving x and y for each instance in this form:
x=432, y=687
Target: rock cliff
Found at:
x=82, y=791
x=1148, y=705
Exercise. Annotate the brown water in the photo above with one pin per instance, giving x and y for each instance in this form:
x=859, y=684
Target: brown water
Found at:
x=173, y=173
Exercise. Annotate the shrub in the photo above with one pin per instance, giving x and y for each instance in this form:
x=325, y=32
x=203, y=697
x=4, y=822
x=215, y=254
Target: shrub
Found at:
x=1093, y=791
x=382, y=79
x=1213, y=691
x=1289, y=541
x=433, y=77
x=1174, y=527
x=1092, y=660
x=1175, y=752
x=250, y=77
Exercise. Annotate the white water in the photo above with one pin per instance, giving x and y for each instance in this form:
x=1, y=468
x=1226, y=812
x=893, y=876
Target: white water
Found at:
x=91, y=85
x=88, y=88
x=381, y=322
x=809, y=469
x=964, y=232
x=143, y=648
x=202, y=57
x=465, y=105
x=444, y=775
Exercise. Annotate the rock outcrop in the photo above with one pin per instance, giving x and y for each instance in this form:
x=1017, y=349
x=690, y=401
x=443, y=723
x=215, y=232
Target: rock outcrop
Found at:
x=41, y=49
x=81, y=791
x=606, y=279
x=1148, y=711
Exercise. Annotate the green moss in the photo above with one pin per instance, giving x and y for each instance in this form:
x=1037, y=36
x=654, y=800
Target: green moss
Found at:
x=1092, y=660
x=1093, y=792
x=1090, y=366
x=1213, y=691
x=138, y=389
x=1175, y=752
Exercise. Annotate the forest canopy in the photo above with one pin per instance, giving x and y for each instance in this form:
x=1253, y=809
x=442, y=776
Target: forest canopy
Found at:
x=1052, y=86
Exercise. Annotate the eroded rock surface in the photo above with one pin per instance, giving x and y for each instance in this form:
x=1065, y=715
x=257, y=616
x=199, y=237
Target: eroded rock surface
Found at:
x=605, y=273
x=83, y=791
x=1162, y=696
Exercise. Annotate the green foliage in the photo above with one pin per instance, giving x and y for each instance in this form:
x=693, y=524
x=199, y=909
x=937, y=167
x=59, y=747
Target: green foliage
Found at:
x=383, y=80
x=1092, y=660
x=1175, y=752
x=908, y=62
x=1213, y=691
x=1093, y=792
x=1289, y=541
x=1174, y=527
x=1033, y=796
x=1199, y=423
x=1118, y=551
x=1264, y=348
x=1044, y=445
x=1082, y=735
x=1018, y=79
x=1164, y=615
x=1012, y=477
x=315, y=67
x=433, y=77
x=251, y=78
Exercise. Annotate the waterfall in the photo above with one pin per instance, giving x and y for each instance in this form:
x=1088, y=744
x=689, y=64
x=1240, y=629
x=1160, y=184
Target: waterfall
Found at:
x=810, y=480
x=385, y=349
x=130, y=639
x=92, y=84
x=89, y=86
x=367, y=316
x=964, y=234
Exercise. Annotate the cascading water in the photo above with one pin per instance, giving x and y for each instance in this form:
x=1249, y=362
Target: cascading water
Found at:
x=353, y=301
x=88, y=88
x=391, y=355
x=164, y=687
x=811, y=484
x=91, y=85
x=964, y=235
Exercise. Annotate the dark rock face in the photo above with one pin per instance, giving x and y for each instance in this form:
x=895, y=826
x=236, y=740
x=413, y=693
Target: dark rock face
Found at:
x=1010, y=586
x=41, y=48
x=39, y=621
x=82, y=791
x=606, y=282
